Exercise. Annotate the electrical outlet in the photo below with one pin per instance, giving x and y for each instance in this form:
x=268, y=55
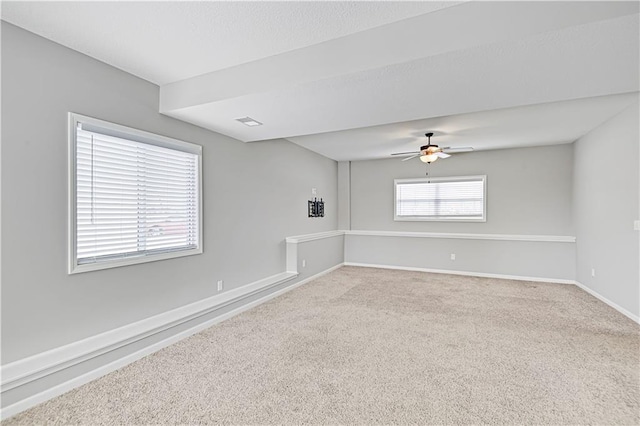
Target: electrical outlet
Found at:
x=453, y=256
x=636, y=225
x=593, y=272
x=220, y=285
x=314, y=191
x=304, y=263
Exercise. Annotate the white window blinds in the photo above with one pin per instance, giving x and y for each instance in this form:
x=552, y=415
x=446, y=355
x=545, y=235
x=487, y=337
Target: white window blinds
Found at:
x=133, y=198
x=455, y=198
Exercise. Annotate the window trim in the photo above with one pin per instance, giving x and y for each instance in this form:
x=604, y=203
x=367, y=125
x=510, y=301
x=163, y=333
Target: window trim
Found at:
x=445, y=218
x=138, y=136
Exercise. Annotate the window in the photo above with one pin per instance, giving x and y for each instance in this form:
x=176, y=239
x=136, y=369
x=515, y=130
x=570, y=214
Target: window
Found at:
x=441, y=199
x=134, y=196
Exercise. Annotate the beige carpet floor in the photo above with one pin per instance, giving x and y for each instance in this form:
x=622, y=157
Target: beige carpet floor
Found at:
x=370, y=346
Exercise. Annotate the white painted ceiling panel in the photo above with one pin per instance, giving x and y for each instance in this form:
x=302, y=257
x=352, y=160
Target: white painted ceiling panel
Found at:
x=534, y=70
x=360, y=80
x=456, y=29
x=533, y=125
x=167, y=41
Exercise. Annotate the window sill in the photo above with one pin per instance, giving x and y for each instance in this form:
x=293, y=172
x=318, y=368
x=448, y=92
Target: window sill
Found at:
x=134, y=260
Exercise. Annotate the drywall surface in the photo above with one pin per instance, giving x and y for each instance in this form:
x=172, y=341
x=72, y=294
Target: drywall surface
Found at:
x=528, y=191
x=527, y=259
x=255, y=195
x=320, y=255
x=344, y=195
x=606, y=199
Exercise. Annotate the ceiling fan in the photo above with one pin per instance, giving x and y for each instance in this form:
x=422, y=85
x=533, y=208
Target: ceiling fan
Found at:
x=430, y=153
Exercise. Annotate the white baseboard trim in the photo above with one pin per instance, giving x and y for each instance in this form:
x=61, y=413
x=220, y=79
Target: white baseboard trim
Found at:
x=465, y=273
x=615, y=306
x=57, y=390
x=46, y=363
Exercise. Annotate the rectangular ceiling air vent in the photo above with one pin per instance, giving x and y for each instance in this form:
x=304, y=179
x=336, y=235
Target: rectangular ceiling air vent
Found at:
x=249, y=121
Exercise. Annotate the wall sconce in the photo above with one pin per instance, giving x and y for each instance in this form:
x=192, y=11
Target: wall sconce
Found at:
x=316, y=208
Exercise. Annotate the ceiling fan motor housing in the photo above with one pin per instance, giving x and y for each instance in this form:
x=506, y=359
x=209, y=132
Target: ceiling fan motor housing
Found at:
x=428, y=149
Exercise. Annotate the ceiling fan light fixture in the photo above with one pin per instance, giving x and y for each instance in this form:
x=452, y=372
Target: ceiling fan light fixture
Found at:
x=429, y=153
x=429, y=158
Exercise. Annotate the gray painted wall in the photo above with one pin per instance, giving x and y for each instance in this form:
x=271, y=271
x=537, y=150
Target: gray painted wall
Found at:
x=528, y=191
x=42, y=306
x=321, y=255
x=332, y=250
x=344, y=195
x=606, y=202
x=528, y=259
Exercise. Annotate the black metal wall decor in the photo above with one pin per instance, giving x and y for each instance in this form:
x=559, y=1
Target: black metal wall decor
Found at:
x=316, y=208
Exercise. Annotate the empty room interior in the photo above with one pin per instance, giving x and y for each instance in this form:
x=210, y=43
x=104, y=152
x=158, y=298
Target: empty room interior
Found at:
x=320, y=212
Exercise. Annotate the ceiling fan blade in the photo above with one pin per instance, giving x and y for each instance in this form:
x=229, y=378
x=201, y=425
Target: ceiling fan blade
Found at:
x=442, y=154
x=457, y=149
x=409, y=158
x=407, y=153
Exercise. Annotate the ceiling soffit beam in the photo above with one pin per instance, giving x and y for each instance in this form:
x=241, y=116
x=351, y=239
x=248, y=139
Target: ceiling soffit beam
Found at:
x=548, y=67
x=452, y=29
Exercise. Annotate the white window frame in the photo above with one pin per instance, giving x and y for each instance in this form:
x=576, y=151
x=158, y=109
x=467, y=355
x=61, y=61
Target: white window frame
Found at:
x=398, y=218
x=138, y=136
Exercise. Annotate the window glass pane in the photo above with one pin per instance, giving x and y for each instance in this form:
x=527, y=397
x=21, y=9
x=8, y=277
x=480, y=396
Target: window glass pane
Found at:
x=441, y=198
x=133, y=198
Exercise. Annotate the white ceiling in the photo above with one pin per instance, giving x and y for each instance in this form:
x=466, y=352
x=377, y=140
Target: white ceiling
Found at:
x=358, y=80
x=167, y=41
x=532, y=125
